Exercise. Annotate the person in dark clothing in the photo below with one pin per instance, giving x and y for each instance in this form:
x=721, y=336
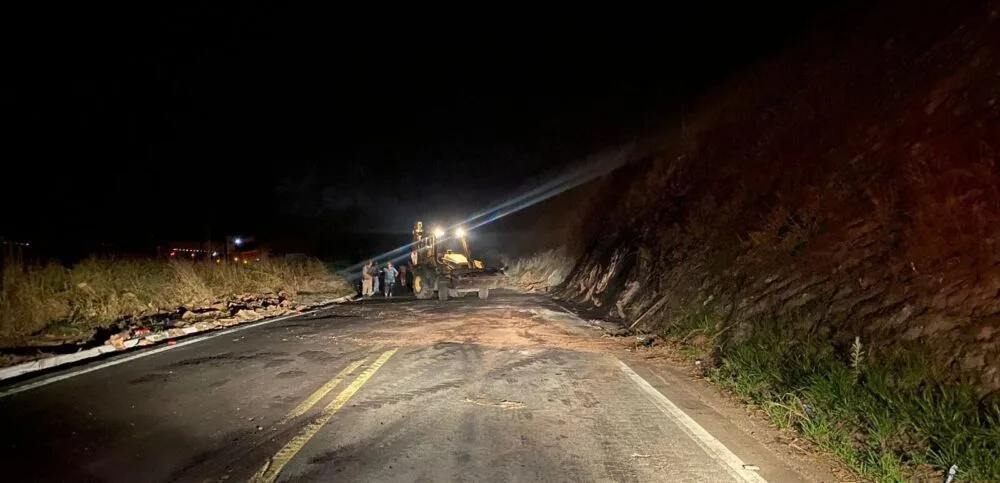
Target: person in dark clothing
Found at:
x=403, y=272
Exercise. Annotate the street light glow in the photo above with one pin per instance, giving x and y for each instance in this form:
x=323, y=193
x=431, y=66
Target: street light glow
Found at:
x=238, y=241
x=592, y=168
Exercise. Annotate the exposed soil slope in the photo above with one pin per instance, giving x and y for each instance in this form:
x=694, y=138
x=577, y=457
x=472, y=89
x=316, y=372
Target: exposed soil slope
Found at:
x=849, y=188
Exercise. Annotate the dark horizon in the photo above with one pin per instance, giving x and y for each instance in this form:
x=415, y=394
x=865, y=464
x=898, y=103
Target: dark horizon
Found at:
x=183, y=124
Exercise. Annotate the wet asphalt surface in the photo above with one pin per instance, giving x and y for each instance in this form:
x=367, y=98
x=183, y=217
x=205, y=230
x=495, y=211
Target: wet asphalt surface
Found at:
x=461, y=404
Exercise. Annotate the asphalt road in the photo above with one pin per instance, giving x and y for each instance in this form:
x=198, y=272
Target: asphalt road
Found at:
x=508, y=389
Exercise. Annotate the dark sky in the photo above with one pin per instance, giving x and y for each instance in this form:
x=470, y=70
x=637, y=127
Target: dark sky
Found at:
x=168, y=121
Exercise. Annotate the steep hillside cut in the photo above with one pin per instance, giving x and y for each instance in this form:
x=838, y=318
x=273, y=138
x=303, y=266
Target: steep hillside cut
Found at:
x=846, y=191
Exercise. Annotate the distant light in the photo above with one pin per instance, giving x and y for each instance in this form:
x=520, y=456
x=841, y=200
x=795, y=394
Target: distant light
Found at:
x=236, y=259
x=192, y=255
x=173, y=253
x=215, y=254
x=460, y=232
x=238, y=241
x=244, y=262
x=439, y=232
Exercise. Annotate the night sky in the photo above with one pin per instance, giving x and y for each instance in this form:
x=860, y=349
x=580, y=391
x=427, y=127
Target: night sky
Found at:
x=172, y=122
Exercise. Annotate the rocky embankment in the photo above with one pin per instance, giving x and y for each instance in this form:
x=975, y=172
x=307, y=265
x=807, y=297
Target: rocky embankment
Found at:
x=820, y=237
x=848, y=190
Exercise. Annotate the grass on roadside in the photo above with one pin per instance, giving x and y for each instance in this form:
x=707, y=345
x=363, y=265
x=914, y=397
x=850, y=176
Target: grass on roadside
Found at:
x=693, y=332
x=889, y=419
x=98, y=293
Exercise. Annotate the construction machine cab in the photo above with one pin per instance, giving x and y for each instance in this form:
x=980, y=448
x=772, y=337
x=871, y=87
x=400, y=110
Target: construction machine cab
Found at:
x=445, y=271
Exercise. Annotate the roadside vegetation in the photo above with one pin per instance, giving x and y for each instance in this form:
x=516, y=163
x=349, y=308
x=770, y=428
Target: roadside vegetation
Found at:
x=888, y=418
x=49, y=300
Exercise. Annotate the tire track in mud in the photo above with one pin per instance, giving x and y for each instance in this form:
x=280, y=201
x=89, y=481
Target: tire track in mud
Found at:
x=530, y=361
x=411, y=384
x=412, y=395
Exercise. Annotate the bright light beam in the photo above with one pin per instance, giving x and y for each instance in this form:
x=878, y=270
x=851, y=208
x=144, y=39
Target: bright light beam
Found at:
x=595, y=167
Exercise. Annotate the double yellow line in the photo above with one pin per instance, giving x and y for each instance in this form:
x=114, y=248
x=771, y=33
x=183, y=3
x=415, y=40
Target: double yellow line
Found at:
x=272, y=467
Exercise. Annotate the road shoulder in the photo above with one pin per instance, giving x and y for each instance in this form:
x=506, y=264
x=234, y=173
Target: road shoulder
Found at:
x=780, y=455
x=755, y=441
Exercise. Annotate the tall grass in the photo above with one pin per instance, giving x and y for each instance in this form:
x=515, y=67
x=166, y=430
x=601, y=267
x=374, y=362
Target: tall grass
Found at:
x=100, y=292
x=889, y=419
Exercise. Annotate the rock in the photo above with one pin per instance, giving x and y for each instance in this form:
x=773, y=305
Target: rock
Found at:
x=702, y=368
x=248, y=315
x=913, y=332
x=118, y=340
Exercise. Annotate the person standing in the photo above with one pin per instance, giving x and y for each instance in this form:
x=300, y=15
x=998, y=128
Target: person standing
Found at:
x=375, y=279
x=390, y=278
x=366, y=279
x=402, y=276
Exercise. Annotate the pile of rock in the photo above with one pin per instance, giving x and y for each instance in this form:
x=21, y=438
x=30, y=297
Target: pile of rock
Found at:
x=207, y=315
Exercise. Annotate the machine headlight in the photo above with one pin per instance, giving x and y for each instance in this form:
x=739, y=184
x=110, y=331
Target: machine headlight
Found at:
x=460, y=232
x=439, y=232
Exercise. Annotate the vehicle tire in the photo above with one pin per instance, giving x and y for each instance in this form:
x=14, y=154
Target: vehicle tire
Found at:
x=422, y=288
x=443, y=288
x=484, y=293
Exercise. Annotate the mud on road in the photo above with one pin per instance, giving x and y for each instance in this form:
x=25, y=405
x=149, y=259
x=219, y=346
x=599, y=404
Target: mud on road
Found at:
x=511, y=388
x=485, y=323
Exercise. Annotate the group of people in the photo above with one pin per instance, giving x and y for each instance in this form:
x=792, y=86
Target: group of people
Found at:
x=383, y=280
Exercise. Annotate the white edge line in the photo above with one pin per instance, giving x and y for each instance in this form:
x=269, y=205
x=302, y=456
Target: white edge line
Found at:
x=145, y=353
x=712, y=446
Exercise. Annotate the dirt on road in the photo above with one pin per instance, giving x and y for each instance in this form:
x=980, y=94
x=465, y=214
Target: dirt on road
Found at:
x=490, y=325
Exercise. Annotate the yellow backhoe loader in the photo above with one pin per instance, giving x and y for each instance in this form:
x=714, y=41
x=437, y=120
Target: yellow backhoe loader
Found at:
x=447, y=272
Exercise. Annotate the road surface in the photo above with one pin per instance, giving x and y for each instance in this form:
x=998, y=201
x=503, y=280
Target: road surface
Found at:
x=513, y=388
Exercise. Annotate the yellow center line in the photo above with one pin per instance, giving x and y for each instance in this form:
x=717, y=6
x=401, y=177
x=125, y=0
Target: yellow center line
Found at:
x=322, y=391
x=269, y=472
